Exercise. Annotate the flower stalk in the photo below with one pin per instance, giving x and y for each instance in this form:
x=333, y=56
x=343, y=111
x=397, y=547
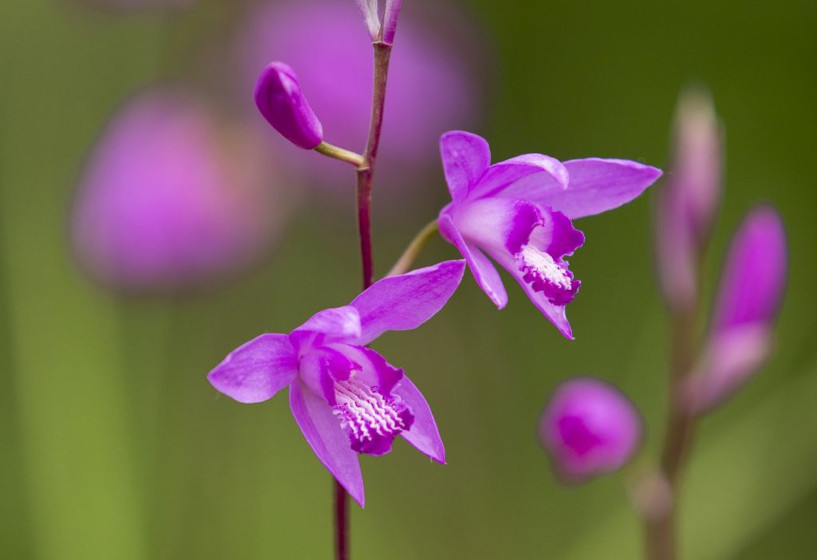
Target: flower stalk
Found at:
x=414, y=249
x=335, y=152
x=365, y=179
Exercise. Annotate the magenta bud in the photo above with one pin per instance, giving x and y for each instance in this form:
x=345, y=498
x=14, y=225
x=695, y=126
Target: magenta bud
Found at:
x=589, y=428
x=690, y=197
x=390, y=20
x=749, y=297
x=279, y=98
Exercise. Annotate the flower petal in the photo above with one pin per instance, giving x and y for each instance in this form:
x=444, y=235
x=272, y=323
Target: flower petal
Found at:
x=465, y=157
x=539, y=172
x=423, y=434
x=483, y=270
x=257, y=370
x=405, y=302
x=595, y=185
x=323, y=432
x=496, y=225
x=338, y=324
x=554, y=313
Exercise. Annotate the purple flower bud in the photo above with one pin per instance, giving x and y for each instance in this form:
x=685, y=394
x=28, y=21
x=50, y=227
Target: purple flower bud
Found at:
x=690, y=197
x=170, y=197
x=390, y=20
x=589, y=428
x=322, y=40
x=370, y=16
x=278, y=96
x=749, y=297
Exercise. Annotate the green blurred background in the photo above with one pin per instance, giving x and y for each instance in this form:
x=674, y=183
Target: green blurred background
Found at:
x=114, y=446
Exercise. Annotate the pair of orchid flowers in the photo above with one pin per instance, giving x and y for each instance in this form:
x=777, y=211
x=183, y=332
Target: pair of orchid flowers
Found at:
x=346, y=398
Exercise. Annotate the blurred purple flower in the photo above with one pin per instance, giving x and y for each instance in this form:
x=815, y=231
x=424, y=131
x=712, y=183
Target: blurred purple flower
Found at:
x=170, y=197
x=588, y=429
x=749, y=297
x=519, y=211
x=346, y=398
x=279, y=98
x=430, y=86
x=688, y=201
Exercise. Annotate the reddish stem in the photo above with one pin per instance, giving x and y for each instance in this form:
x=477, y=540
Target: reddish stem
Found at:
x=365, y=178
x=341, y=523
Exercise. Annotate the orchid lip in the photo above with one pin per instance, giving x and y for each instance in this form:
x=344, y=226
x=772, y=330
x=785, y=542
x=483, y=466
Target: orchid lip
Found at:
x=372, y=420
x=547, y=275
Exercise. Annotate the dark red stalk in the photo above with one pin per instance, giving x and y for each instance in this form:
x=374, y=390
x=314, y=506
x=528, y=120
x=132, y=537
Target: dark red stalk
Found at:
x=365, y=178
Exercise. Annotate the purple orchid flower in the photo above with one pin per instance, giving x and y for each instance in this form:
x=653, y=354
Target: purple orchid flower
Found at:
x=346, y=398
x=519, y=212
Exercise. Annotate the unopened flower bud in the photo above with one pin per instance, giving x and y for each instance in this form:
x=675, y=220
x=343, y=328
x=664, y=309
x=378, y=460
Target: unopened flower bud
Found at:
x=370, y=16
x=279, y=98
x=689, y=197
x=390, y=20
x=589, y=428
x=749, y=297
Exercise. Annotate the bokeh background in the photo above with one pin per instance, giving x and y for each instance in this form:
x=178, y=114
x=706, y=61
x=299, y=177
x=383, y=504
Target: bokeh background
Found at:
x=113, y=444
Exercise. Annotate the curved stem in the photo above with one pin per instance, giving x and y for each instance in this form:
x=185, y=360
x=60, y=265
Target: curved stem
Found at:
x=338, y=153
x=414, y=249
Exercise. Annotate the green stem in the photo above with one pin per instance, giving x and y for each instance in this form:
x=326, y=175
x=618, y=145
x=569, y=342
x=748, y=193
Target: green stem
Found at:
x=414, y=249
x=341, y=154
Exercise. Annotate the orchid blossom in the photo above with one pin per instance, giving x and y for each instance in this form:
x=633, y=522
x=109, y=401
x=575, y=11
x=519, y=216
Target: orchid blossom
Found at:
x=519, y=212
x=346, y=398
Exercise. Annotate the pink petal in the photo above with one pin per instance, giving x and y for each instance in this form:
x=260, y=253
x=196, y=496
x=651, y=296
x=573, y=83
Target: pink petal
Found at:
x=465, y=158
x=483, y=270
x=338, y=324
x=322, y=431
x=534, y=172
x=423, y=434
x=257, y=370
x=595, y=185
x=405, y=302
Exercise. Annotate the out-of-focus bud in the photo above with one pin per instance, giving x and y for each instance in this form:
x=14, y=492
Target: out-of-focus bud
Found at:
x=369, y=9
x=749, y=297
x=689, y=198
x=171, y=197
x=279, y=98
x=390, y=20
x=589, y=428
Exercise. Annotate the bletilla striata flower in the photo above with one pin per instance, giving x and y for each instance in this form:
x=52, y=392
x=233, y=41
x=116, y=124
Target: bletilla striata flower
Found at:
x=749, y=296
x=519, y=212
x=588, y=429
x=346, y=398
